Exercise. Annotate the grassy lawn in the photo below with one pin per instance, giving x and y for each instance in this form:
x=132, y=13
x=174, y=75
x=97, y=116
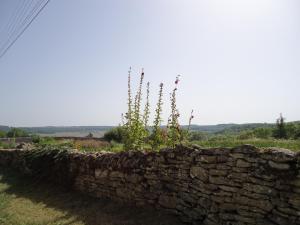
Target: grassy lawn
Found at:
x=227, y=142
x=213, y=142
x=23, y=202
x=261, y=143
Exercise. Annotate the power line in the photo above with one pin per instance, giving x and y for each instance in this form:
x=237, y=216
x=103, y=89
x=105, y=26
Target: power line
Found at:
x=18, y=26
x=13, y=23
x=23, y=29
x=9, y=26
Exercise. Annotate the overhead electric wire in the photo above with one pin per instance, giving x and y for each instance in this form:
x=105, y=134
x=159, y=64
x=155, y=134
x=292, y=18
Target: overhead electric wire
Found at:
x=16, y=17
x=16, y=26
x=22, y=23
x=11, y=21
x=13, y=28
x=20, y=28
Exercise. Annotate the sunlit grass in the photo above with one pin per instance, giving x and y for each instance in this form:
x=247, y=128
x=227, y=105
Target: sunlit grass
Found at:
x=97, y=145
x=230, y=142
x=17, y=208
x=4, y=145
x=111, y=147
x=23, y=201
x=260, y=143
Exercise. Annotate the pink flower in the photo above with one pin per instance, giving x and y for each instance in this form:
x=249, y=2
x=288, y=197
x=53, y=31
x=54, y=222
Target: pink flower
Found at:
x=177, y=79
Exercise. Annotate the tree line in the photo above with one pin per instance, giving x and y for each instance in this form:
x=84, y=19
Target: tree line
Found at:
x=14, y=133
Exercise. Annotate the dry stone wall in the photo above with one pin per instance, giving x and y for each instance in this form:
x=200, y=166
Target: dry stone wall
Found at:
x=223, y=186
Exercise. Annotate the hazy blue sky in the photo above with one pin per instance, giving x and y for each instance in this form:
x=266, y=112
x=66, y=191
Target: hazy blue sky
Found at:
x=239, y=60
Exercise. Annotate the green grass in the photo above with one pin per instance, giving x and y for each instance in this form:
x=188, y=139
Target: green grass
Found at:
x=111, y=148
x=212, y=142
x=46, y=141
x=24, y=202
x=20, y=204
x=260, y=143
x=81, y=145
x=7, y=145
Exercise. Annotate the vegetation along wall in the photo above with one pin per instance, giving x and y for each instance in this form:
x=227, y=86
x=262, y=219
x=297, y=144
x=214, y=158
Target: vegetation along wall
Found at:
x=242, y=185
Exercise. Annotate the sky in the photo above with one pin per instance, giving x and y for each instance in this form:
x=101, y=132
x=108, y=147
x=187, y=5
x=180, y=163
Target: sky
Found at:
x=239, y=60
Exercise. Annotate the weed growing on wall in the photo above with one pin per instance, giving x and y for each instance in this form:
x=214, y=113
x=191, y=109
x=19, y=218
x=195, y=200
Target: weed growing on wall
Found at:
x=190, y=121
x=157, y=137
x=147, y=107
x=135, y=122
x=128, y=117
x=173, y=127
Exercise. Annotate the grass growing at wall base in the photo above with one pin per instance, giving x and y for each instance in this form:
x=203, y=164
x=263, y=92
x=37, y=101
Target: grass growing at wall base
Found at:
x=21, y=203
x=24, y=202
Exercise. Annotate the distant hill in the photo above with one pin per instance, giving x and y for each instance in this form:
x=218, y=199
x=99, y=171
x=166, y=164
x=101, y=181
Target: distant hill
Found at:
x=211, y=128
x=4, y=128
x=54, y=129
x=67, y=131
x=248, y=126
x=232, y=128
x=227, y=128
x=98, y=131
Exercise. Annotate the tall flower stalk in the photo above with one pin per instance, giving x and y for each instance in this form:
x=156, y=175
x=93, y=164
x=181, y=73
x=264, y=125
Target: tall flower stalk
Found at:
x=129, y=100
x=138, y=98
x=174, y=134
x=157, y=136
x=135, y=129
x=190, y=121
x=185, y=134
x=147, y=107
x=128, y=139
x=135, y=121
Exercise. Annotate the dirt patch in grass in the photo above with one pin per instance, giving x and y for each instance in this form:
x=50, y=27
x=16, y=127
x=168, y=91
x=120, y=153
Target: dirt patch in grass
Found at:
x=24, y=202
